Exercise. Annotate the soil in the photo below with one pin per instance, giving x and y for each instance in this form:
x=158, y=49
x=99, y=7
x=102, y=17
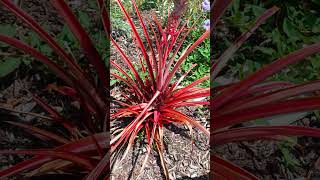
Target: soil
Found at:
x=264, y=158
x=15, y=96
x=184, y=160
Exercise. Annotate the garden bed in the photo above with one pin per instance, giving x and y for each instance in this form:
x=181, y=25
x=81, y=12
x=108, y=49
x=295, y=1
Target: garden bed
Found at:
x=185, y=160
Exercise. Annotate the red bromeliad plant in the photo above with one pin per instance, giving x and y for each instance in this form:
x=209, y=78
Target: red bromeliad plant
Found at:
x=152, y=101
x=86, y=147
x=251, y=99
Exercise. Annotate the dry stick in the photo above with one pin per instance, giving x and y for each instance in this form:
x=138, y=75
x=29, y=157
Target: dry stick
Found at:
x=76, y=133
x=22, y=112
x=315, y=166
x=7, y=54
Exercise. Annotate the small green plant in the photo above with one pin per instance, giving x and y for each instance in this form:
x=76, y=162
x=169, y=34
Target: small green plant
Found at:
x=294, y=27
x=201, y=57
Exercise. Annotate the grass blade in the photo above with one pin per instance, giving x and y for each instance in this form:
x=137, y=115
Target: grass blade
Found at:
x=38, y=56
x=219, y=8
x=182, y=58
x=182, y=117
x=105, y=17
x=82, y=145
x=135, y=32
x=290, y=106
x=148, y=40
x=263, y=73
x=46, y=134
x=229, y=170
x=223, y=59
x=254, y=133
x=83, y=38
x=85, y=162
x=274, y=96
x=42, y=33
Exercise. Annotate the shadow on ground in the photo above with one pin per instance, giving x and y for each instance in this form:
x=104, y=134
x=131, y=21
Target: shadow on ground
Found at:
x=204, y=177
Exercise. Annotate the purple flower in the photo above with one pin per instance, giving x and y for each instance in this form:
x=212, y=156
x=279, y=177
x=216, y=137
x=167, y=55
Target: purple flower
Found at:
x=206, y=24
x=206, y=5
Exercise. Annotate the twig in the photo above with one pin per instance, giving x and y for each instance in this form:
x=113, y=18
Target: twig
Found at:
x=315, y=166
x=17, y=2
x=22, y=112
x=7, y=54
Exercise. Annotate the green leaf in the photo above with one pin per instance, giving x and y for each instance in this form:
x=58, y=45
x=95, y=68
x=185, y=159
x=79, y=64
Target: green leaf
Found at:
x=264, y=50
x=8, y=30
x=45, y=49
x=92, y=4
x=315, y=62
x=316, y=2
x=261, y=122
x=8, y=65
x=235, y=6
x=316, y=27
x=257, y=10
x=112, y=82
x=317, y=113
x=289, y=159
x=66, y=34
x=84, y=19
x=291, y=31
x=34, y=39
x=27, y=60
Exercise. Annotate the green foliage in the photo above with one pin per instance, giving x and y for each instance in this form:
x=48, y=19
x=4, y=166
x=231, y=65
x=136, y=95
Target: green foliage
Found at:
x=243, y=18
x=288, y=160
x=200, y=56
x=8, y=65
x=84, y=19
x=65, y=38
x=295, y=27
x=8, y=30
x=194, y=10
x=147, y=5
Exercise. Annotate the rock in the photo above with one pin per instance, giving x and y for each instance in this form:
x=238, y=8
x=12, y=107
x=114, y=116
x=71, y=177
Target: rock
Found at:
x=194, y=175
